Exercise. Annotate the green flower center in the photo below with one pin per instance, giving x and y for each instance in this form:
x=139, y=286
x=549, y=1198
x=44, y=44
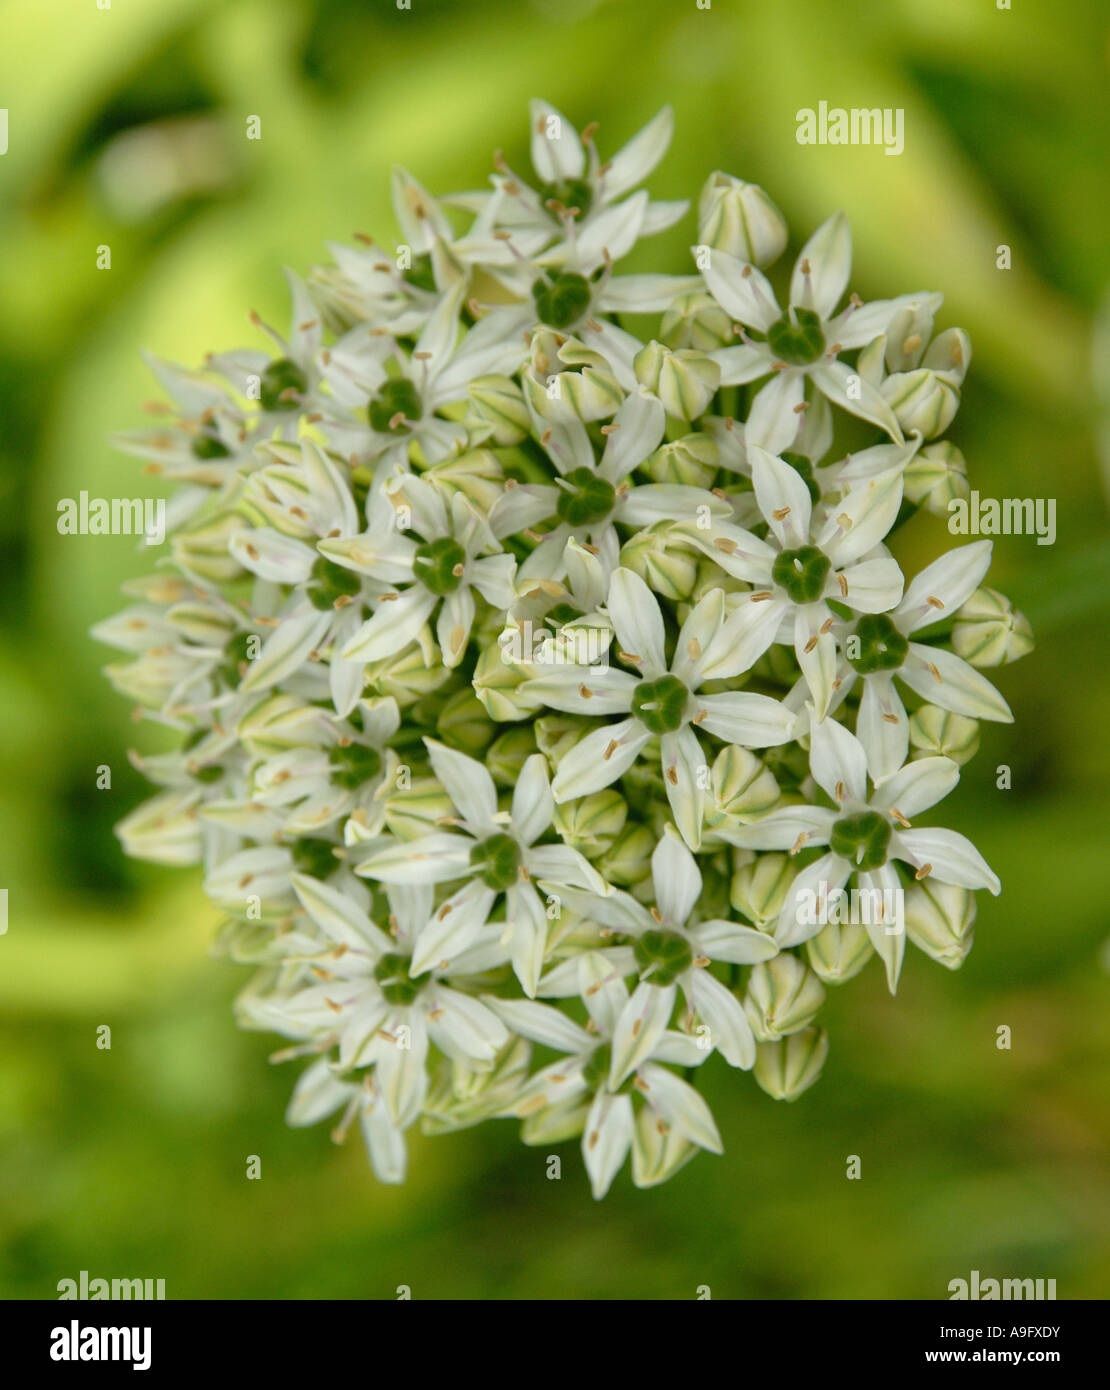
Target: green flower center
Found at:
x=802, y=573
x=881, y=646
x=420, y=274
x=316, y=858
x=572, y=193
x=354, y=766
x=235, y=654
x=279, y=377
x=862, y=839
x=397, y=985
x=330, y=582
x=562, y=302
x=660, y=705
x=587, y=499
x=662, y=956
x=804, y=469
x=596, y=1071
x=208, y=446
x=439, y=565
x=797, y=337
x=398, y=397
x=496, y=861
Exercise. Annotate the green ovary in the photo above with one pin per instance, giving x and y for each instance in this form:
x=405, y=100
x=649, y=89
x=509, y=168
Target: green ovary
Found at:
x=662, y=956
x=590, y=501
x=800, y=342
x=802, y=573
x=496, y=861
x=861, y=839
x=660, y=705
x=439, y=565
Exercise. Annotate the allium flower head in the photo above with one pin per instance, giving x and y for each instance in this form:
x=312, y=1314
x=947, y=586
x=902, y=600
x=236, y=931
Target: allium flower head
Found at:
x=525, y=685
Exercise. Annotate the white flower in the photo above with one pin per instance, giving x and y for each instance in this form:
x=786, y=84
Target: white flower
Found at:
x=800, y=566
x=804, y=343
x=578, y=1090
x=660, y=701
x=865, y=835
x=496, y=852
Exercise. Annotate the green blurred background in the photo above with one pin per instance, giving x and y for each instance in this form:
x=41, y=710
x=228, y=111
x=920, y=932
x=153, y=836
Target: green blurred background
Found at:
x=127, y=129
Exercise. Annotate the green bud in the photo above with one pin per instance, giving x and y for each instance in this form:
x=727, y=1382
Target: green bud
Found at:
x=783, y=997
x=923, y=401
x=839, y=951
x=203, y=548
x=497, y=683
x=759, y=888
x=658, y=1150
x=412, y=673
x=415, y=805
x=742, y=790
x=935, y=476
x=628, y=860
x=464, y=724
x=741, y=220
x=684, y=380
x=940, y=921
x=565, y=380
x=935, y=731
x=990, y=631
x=282, y=722
x=591, y=824
x=786, y=1068
x=282, y=385
x=497, y=404
x=697, y=321
x=462, y=1093
x=691, y=460
x=556, y=734
x=476, y=473
x=662, y=560
x=508, y=754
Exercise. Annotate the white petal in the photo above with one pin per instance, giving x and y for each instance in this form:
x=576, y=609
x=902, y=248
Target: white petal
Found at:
x=637, y=621
x=838, y=762
x=468, y=784
x=872, y=586
x=886, y=740
x=917, y=786
x=676, y=878
x=598, y=759
x=635, y=160
x=774, y=418
x=392, y=627
x=729, y=941
x=815, y=650
x=742, y=290
x=782, y=496
x=809, y=890
x=681, y=1107
x=684, y=779
x=533, y=804
x=606, y=1140
x=862, y=518
x=338, y=915
x=729, y=1029
x=542, y=1023
x=639, y=1028
x=954, y=859
x=850, y=392
x=525, y=916
x=950, y=581
x=823, y=266
x=945, y=679
x=781, y=829
x=557, y=152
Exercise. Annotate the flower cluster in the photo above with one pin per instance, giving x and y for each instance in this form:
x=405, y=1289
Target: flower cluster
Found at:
x=529, y=674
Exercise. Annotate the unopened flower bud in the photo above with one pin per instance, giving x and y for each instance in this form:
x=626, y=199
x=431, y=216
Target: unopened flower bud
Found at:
x=497, y=404
x=759, y=888
x=923, y=401
x=684, y=380
x=786, y=1068
x=691, y=460
x=935, y=476
x=740, y=219
x=990, y=631
x=839, y=951
x=463, y=723
x=590, y=824
x=938, y=732
x=940, y=920
x=783, y=996
x=628, y=860
x=662, y=561
x=508, y=753
x=696, y=320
